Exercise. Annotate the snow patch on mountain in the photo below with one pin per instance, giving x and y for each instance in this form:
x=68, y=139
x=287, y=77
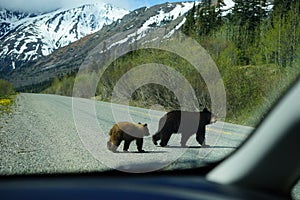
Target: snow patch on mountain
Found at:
x=10, y=20
x=161, y=18
x=25, y=37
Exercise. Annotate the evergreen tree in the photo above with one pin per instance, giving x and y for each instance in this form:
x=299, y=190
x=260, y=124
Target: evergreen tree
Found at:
x=208, y=17
x=189, y=25
x=218, y=12
x=281, y=7
x=287, y=29
x=247, y=16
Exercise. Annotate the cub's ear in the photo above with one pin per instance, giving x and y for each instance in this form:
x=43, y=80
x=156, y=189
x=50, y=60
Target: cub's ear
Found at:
x=205, y=110
x=139, y=123
x=145, y=125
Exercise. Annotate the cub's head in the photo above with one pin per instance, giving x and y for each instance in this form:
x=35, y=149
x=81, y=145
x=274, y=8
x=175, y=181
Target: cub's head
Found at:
x=207, y=116
x=111, y=146
x=144, y=128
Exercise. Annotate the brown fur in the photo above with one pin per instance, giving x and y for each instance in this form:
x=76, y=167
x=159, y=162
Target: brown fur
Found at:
x=128, y=132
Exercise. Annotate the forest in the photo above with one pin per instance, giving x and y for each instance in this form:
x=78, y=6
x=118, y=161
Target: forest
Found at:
x=255, y=47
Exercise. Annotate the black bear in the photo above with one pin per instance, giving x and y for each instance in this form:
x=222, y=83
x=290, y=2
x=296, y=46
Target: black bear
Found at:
x=186, y=123
x=128, y=132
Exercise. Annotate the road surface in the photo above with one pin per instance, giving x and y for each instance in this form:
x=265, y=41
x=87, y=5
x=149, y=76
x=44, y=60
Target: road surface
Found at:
x=56, y=134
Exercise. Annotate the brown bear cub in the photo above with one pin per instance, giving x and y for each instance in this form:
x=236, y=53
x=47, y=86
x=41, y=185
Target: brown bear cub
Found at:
x=186, y=123
x=128, y=132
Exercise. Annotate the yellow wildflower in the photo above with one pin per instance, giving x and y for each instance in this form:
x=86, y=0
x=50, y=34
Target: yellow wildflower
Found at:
x=5, y=102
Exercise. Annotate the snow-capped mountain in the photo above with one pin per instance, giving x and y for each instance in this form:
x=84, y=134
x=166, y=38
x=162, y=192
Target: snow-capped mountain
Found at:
x=27, y=36
x=10, y=19
x=135, y=27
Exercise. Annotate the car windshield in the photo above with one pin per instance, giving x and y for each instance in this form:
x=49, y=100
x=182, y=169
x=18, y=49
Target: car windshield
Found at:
x=139, y=86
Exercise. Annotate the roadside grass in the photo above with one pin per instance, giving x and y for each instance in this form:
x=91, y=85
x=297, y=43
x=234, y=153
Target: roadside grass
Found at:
x=7, y=97
x=253, y=90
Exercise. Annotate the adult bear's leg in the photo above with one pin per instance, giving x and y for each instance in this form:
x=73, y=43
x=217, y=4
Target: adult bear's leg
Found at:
x=156, y=137
x=165, y=137
x=161, y=126
x=200, y=137
x=184, y=139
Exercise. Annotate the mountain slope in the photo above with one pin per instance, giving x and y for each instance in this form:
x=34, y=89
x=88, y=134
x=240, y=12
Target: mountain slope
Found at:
x=10, y=20
x=134, y=26
x=26, y=37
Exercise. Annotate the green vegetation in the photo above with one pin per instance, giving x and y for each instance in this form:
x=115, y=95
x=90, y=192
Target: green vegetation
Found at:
x=7, y=96
x=6, y=89
x=63, y=86
x=152, y=94
x=256, y=50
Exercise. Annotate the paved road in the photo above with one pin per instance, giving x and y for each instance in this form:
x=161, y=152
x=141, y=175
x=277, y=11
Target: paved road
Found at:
x=50, y=134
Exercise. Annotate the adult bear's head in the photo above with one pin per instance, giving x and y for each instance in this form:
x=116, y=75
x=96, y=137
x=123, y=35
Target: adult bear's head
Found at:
x=207, y=117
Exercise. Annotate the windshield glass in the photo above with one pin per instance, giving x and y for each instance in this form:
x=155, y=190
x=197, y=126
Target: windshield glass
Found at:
x=139, y=87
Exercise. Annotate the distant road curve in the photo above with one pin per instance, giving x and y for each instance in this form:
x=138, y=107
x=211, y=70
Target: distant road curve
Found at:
x=42, y=137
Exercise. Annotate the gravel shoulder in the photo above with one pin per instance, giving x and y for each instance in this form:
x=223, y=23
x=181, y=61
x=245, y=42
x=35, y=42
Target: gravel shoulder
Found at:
x=41, y=138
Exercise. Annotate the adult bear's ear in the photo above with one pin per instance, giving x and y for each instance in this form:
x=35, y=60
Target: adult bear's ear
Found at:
x=205, y=110
x=145, y=125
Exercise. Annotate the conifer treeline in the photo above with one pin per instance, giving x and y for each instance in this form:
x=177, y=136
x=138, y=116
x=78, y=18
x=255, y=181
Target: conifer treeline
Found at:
x=260, y=32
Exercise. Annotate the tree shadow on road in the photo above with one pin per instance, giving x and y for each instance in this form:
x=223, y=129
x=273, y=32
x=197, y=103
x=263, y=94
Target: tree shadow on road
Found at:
x=212, y=147
x=222, y=147
x=199, y=147
x=141, y=152
x=151, y=152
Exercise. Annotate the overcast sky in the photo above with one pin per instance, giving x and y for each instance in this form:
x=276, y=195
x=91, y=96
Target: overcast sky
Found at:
x=49, y=5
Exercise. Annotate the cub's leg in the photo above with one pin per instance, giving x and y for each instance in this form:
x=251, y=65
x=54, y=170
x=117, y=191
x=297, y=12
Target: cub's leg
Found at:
x=126, y=145
x=139, y=144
